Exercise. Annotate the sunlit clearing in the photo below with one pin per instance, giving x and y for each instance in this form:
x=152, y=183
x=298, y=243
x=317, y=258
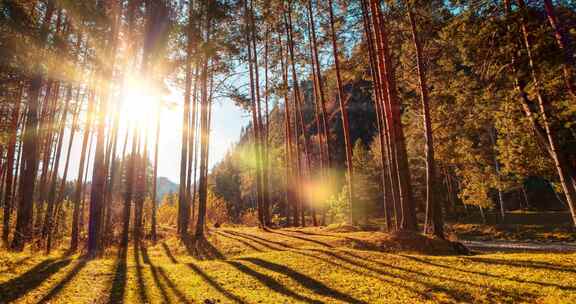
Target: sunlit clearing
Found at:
x=139, y=102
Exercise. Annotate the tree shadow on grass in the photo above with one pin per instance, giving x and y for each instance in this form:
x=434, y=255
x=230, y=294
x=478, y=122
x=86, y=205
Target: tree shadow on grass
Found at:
x=181, y=297
x=317, y=234
x=201, y=248
x=489, y=274
x=324, y=244
x=239, y=240
x=146, y=259
x=18, y=287
x=458, y=295
x=71, y=274
x=306, y=281
x=360, y=273
x=169, y=253
x=214, y=284
x=523, y=264
x=119, y=282
x=13, y=265
x=258, y=240
x=265, y=243
x=455, y=294
x=271, y=283
x=142, y=295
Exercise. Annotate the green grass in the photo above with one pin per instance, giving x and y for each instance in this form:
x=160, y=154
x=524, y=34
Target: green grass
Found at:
x=246, y=265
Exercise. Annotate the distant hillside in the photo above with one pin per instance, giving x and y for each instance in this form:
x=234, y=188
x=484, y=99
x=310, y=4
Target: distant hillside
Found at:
x=165, y=186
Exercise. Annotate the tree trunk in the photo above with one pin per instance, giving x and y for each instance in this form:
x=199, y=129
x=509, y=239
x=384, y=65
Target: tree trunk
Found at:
x=388, y=136
x=183, y=215
x=100, y=172
x=49, y=215
x=397, y=139
x=290, y=200
x=564, y=44
x=320, y=85
x=266, y=140
x=204, y=129
x=141, y=174
x=560, y=161
x=192, y=148
x=10, y=175
x=84, y=158
x=29, y=163
x=45, y=138
x=433, y=206
x=155, y=176
x=493, y=135
x=298, y=182
x=344, y=116
x=255, y=105
x=378, y=102
x=129, y=191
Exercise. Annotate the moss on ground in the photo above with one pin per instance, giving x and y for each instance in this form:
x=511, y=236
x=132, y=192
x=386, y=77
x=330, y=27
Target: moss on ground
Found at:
x=247, y=265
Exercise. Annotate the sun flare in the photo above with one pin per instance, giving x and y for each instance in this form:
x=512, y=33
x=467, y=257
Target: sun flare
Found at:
x=139, y=103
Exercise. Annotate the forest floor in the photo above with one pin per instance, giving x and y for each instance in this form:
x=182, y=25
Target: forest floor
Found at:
x=308, y=265
x=522, y=226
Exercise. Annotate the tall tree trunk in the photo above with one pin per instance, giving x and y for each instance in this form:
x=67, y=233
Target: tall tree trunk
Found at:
x=141, y=188
x=84, y=158
x=196, y=144
x=290, y=200
x=183, y=215
x=192, y=147
x=266, y=140
x=100, y=172
x=344, y=116
x=493, y=133
x=16, y=180
x=300, y=124
x=73, y=129
x=255, y=104
x=137, y=190
x=397, y=139
x=204, y=129
x=90, y=156
x=560, y=161
x=155, y=176
x=565, y=45
x=45, y=138
x=388, y=136
x=49, y=215
x=111, y=161
x=130, y=168
x=315, y=99
x=29, y=163
x=203, y=183
x=378, y=102
x=296, y=94
x=320, y=85
x=10, y=175
x=433, y=206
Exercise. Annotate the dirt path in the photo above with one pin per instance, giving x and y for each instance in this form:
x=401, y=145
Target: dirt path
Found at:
x=520, y=246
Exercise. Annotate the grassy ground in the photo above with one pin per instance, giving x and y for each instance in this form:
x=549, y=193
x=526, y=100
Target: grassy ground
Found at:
x=518, y=226
x=246, y=265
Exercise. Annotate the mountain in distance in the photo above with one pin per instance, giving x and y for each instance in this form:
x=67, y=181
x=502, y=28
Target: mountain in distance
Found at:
x=165, y=186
